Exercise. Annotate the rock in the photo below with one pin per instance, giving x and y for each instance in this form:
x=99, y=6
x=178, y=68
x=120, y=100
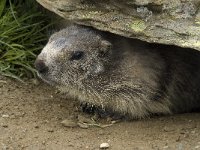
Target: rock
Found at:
x=3, y=81
x=35, y=82
x=37, y=126
x=5, y=116
x=69, y=123
x=197, y=147
x=4, y=125
x=83, y=125
x=165, y=147
x=168, y=129
x=193, y=132
x=160, y=21
x=104, y=146
x=50, y=130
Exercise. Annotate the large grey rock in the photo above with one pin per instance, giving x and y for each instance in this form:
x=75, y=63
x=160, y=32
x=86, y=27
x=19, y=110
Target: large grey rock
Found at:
x=175, y=22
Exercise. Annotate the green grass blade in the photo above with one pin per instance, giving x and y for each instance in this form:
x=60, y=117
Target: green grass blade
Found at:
x=2, y=6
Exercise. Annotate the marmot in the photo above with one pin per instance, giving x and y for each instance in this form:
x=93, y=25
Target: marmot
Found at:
x=120, y=74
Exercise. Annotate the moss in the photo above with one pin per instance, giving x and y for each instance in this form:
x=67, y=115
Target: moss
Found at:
x=138, y=25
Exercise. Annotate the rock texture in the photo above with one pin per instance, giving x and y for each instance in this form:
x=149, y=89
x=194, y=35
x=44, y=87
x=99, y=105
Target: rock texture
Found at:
x=175, y=22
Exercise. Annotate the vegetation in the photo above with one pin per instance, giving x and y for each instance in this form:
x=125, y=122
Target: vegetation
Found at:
x=23, y=31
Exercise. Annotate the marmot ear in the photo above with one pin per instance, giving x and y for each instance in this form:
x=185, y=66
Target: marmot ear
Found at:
x=105, y=48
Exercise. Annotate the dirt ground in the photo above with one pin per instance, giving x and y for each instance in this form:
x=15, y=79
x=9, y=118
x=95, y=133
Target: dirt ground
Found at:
x=31, y=116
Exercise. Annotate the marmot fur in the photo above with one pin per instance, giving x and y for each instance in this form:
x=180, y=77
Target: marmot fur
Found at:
x=120, y=74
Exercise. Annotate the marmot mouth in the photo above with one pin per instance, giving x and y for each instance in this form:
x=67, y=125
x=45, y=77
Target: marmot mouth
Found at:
x=46, y=79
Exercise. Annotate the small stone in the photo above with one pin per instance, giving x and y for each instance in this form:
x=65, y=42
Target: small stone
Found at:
x=165, y=147
x=4, y=147
x=178, y=139
x=36, y=126
x=35, y=81
x=104, y=146
x=197, y=147
x=70, y=145
x=2, y=81
x=193, y=132
x=50, y=130
x=4, y=125
x=168, y=129
x=69, y=123
x=101, y=132
x=83, y=125
x=5, y=116
x=114, y=121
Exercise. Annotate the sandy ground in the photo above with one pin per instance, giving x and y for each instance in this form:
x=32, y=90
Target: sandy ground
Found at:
x=31, y=116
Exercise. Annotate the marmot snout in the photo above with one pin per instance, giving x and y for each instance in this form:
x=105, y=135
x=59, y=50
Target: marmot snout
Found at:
x=120, y=74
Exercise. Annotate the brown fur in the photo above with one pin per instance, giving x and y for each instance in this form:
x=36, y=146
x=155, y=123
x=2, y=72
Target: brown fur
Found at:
x=124, y=75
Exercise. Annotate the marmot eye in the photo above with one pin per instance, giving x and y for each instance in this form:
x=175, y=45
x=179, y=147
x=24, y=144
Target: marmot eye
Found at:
x=77, y=55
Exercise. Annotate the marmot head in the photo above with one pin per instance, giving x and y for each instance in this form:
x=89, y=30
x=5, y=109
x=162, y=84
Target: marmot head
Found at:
x=73, y=54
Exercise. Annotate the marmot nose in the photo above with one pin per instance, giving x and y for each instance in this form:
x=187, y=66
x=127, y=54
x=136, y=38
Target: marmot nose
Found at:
x=40, y=66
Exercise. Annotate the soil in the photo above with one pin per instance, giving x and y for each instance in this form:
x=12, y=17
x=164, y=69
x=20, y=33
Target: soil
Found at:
x=31, y=116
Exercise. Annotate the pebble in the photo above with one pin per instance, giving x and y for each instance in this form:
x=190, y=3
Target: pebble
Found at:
x=69, y=123
x=197, y=147
x=35, y=81
x=5, y=116
x=2, y=81
x=43, y=142
x=193, y=132
x=36, y=126
x=104, y=145
x=166, y=147
x=83, y=125
x=168, y=129
x=4, y=147
x=4, y=125
x=50, y=130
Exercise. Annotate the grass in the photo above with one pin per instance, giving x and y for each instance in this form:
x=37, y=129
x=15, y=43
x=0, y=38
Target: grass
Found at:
x=23, y=32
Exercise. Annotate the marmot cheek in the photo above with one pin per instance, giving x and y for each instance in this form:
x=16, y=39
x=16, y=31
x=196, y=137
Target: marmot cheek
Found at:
x=97, y=68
